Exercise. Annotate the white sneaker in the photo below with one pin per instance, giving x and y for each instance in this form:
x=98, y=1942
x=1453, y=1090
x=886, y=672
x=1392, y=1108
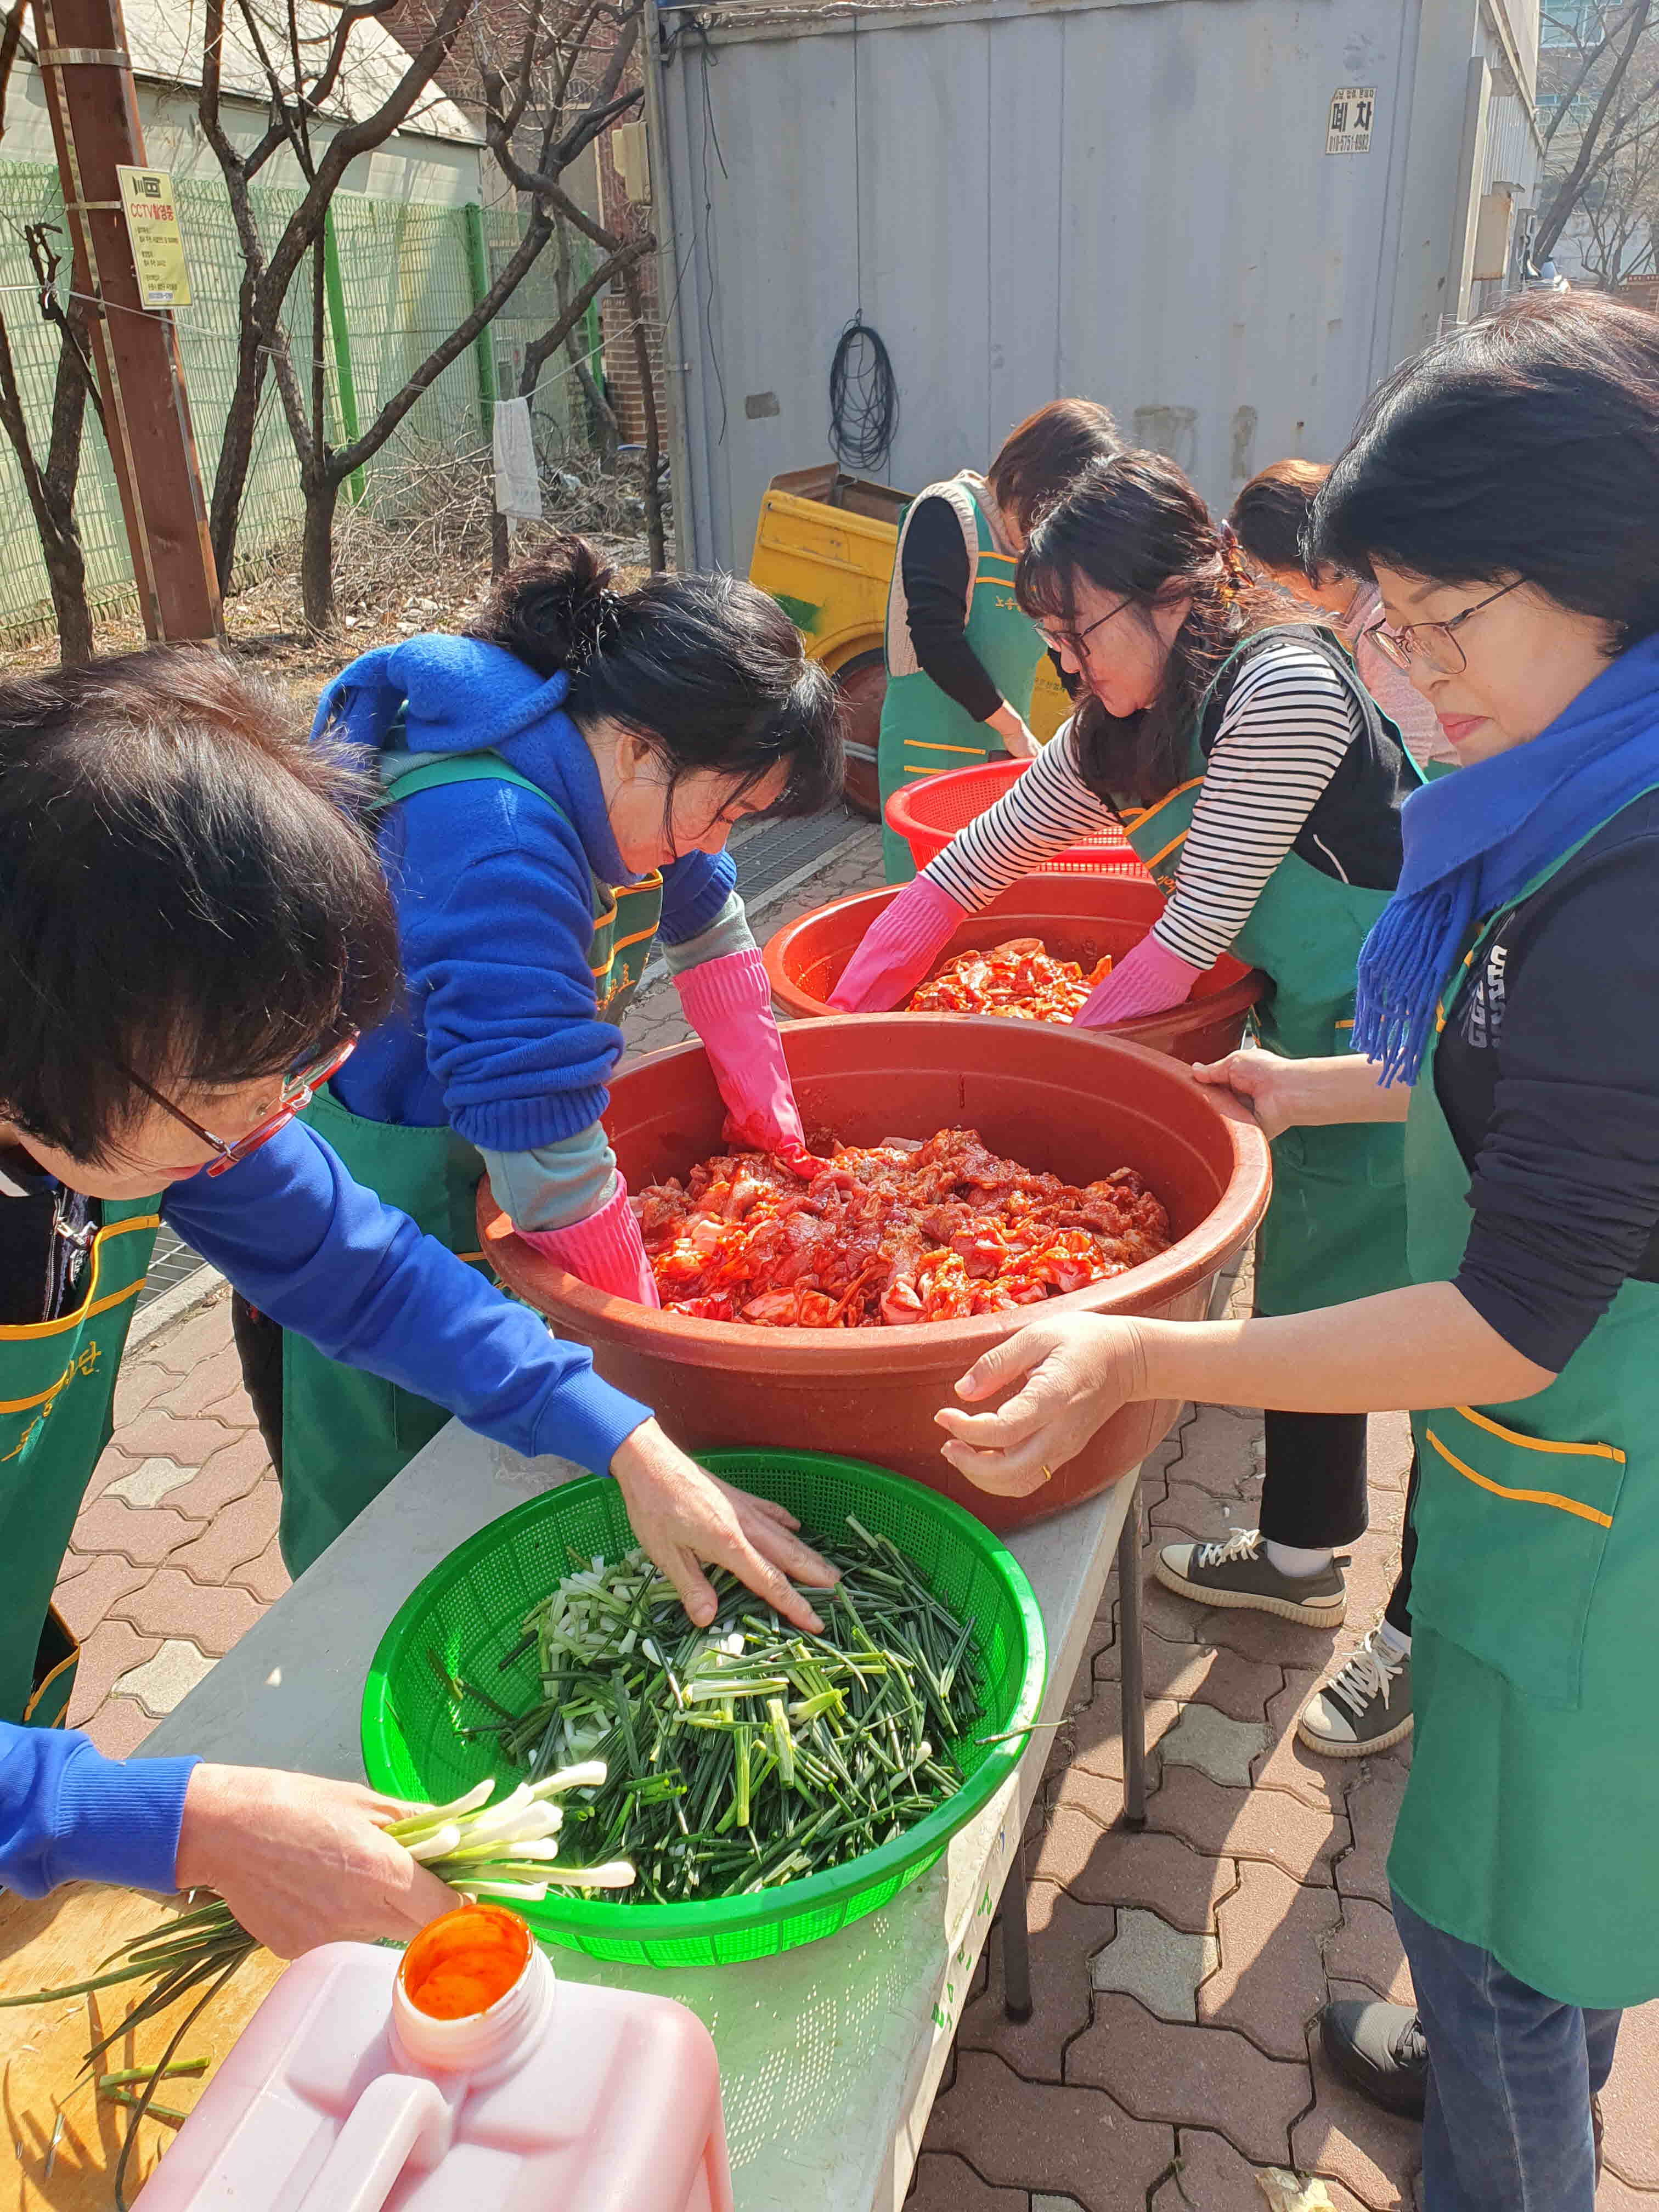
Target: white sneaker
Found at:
x=1365, y=1706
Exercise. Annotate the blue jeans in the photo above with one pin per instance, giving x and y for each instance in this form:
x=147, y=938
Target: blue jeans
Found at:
x=1511, y=2073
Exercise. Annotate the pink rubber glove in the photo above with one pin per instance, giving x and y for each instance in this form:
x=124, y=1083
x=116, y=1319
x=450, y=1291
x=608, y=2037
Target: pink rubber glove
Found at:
x=898, y=949
x=1145, y=982
x=606, y=1250
x=728, y=1002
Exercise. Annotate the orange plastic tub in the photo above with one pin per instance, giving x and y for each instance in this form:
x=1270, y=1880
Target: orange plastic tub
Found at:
x=928, y=814
x=1078, y=918
x=1052, y=1097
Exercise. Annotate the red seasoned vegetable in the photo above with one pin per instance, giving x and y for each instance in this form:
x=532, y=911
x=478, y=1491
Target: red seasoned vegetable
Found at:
x=888, y=1234
x=1020, y=980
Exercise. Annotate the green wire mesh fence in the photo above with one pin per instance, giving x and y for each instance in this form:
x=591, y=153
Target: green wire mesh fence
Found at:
x=399, y=276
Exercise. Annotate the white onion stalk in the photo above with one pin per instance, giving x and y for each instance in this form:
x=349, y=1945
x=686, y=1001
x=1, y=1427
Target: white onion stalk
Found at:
x=437, y=1845
x=590, y=1774
x=507, y=1850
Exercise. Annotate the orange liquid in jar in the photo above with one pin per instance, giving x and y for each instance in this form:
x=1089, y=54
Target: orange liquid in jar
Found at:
x=462, y=1963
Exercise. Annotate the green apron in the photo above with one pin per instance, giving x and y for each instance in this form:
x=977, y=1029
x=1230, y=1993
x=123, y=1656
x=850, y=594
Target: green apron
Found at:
x=923, y=731
x=1335, y=1224
x=346, y=1433
x=1530, y=1825
x=56, y=1399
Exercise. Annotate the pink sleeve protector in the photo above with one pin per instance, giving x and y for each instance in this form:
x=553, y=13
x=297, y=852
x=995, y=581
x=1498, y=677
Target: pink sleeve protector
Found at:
x=898, y=949
x=606, y=1250
x=1145, y=982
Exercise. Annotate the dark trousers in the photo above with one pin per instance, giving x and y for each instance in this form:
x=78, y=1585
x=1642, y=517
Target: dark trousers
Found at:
x=1313, y=1494
x=259, y=1348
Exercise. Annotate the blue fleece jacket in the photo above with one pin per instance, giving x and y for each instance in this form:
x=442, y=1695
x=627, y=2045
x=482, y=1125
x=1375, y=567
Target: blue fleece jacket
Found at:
x=322, y=1256
x=500, y=1036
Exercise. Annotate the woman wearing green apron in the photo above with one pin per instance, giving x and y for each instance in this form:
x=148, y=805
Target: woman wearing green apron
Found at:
x=1503, y=492
x=558, y=790
x=1262, y=786
x=962, y=659
x=193, y=926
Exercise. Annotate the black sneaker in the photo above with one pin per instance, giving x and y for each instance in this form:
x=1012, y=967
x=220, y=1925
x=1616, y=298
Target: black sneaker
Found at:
x=1365, y=1706
x=1238, y=1573
x=1380, y=2048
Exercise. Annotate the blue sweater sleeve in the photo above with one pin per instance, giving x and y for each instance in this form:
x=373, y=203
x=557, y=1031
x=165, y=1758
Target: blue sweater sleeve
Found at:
x=694, y=890
x=495, y=948
x=319, y=1254
x=69, y=1815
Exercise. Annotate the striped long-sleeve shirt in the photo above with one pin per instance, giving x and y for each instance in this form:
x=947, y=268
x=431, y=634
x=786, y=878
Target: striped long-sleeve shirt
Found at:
x=1288, y=722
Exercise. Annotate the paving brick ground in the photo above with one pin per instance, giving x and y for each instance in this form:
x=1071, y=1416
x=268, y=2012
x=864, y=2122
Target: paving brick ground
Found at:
x=1176, y=1972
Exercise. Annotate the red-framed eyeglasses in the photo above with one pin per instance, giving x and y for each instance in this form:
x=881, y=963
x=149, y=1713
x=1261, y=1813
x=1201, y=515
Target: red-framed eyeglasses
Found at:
x=296, y=1094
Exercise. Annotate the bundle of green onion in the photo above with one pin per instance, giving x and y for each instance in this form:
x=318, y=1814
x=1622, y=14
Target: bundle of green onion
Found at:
x=748, y=1753
x=480, y=1848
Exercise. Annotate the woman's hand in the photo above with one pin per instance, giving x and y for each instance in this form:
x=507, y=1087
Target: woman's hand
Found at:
x=1078, y=1369
x=685, y=1517
x=1295, y=1094
x=1263, y=1081
x=1010, y=725
x=302, y=1860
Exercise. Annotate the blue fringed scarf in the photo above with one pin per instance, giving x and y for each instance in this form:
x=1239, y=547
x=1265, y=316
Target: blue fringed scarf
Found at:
x=1474, y=839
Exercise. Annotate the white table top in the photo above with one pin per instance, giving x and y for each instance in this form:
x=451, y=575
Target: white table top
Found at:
x=859, y=2024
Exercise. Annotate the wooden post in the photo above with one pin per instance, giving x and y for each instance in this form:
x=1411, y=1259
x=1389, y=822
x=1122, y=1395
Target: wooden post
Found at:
x=94, y=123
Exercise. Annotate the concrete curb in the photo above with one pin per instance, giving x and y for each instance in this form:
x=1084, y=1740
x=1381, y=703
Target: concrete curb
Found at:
x=199, y=1289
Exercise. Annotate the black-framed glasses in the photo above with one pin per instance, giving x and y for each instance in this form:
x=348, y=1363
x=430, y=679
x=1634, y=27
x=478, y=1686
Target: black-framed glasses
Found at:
x=1076, y=641
x=296, y=1093
x=1434, y=641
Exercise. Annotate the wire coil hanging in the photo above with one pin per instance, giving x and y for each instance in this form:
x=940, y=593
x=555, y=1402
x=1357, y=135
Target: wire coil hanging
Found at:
x=863, y=398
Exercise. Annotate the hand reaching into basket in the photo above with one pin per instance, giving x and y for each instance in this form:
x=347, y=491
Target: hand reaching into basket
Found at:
x=899, y=949
x=1076, y=1370
x=685, y=1518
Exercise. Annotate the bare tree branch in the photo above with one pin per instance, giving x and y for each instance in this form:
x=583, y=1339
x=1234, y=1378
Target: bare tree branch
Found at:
x=1567, y=197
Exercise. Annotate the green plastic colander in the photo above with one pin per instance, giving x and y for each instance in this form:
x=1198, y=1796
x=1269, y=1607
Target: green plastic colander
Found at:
x=470, y=1612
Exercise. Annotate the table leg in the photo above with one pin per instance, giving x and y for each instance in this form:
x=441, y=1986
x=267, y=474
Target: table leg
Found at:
x=1016, y=1940
x=1130, y=1668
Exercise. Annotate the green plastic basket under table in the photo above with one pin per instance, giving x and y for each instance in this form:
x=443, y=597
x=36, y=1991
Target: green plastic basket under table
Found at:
x=469, y=1612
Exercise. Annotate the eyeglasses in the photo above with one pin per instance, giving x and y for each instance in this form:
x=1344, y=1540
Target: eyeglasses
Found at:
x=1076, y=641
x=1434, y=642
x=294, y=1096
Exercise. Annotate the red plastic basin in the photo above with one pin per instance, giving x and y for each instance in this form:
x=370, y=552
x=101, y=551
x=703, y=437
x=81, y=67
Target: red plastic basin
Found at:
x=927, y=814
x=1078, y=918
x=1066, y=1100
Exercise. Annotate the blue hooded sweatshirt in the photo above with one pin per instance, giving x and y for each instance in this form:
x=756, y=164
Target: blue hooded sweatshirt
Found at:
x=501, y=1035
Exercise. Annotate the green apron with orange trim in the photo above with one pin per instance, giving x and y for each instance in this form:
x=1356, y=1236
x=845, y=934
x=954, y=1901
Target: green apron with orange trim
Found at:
x=1531, y=1824
x=346, y=1433
x=923, y=731
x=57, y=1401
x=1335, y=1224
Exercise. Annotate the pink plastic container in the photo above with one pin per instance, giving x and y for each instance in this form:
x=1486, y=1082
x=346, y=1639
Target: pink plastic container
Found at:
x=342, y=2096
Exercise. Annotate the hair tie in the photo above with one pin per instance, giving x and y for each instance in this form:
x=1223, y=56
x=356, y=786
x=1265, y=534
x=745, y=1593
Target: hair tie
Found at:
x=595, y=621
x=1235, y=574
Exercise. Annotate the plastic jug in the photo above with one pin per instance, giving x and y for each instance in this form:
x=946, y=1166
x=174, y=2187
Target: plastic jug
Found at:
x=462, y=2077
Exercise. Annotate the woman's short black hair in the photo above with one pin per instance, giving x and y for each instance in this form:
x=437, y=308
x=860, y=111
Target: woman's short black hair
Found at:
x=707, y=669
x=185, y=893
x=1525, y=445
x=1269, y=517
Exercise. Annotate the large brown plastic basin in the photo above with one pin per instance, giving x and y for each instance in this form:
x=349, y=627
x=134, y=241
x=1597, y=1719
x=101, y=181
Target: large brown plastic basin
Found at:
x=1078, y=918
x=1066, y=1100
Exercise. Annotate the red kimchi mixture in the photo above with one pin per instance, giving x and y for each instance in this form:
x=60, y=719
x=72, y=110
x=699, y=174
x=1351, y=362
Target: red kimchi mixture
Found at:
x=1019, y=980
x=888, y=1234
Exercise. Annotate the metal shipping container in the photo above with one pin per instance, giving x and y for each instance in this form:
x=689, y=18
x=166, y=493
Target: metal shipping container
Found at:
x=1224, y=218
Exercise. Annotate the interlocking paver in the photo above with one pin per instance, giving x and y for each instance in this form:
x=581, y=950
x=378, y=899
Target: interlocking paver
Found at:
x=204, y=1332
x=1212, y=2177
x=215, y=1377
x=190, y=1442
x=1160, y=1965
x=1629, y=2103
x=163, y=1680
x=1187, y=1509
x=1214, y=1743
x=235, y=1537
x=1370, y=2152
x=212, y=1615
x=1064, y=2141
x=266, y=1576
x=146, y=1536
x=140, y=1381
x=1157, y=1872
x=150, y=1482
x=1216, y=1454
x=113, y=1648
x=1373, y=1805
x=1251, y=1824
x=946, y=2183
x=86, y=1599
x=1160, y=2069
x=1365, y=1949
x=1099, y=1728
x=119, y=1726
x=1288, y=1764
x=1205, y=1672
x=1065, y=1933
x=1270, y=1980
x=234, y=1471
